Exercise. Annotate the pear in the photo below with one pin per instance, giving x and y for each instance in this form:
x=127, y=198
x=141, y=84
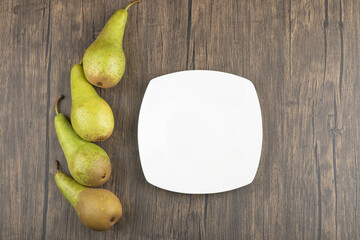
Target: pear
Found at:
x=88, y=163
x=98, y=209
x=104, y=59
x=91, y=117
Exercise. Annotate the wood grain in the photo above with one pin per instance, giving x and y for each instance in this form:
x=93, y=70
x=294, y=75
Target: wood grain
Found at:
x=303, y=58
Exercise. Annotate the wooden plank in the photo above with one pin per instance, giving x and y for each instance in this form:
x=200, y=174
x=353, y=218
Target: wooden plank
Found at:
x=305, y=71
x=268, y=57
x=23, y=118
x=343, y=126
x=68, y=40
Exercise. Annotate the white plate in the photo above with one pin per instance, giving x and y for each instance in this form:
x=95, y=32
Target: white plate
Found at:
x=200, y=132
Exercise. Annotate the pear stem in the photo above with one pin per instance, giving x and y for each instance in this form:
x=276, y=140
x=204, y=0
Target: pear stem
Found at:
x=136, y=1
x=56, y=104
x=58, y=166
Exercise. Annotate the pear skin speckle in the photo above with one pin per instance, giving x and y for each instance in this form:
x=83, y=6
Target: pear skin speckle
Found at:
x=88, y=163
x=91, y=116
x=104, y=60
x=98, y=209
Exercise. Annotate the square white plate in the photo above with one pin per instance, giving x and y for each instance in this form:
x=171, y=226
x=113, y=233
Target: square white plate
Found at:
x=200, y=132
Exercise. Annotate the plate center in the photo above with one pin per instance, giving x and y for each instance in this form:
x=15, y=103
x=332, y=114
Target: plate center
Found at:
x=198, y=133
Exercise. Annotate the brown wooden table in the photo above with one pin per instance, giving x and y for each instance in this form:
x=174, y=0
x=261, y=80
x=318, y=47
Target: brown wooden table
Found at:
x=303, y=58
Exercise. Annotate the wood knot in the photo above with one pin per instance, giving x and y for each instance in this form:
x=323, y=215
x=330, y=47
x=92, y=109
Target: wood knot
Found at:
x=336, y=131
x=17, y=9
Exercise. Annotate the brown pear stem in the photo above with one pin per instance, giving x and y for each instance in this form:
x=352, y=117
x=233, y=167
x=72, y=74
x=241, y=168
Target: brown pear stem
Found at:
x=58, y=166
x=136, y=1
x=57, y=102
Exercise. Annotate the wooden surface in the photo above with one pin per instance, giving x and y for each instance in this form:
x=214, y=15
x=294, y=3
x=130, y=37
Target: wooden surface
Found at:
x=303, y=58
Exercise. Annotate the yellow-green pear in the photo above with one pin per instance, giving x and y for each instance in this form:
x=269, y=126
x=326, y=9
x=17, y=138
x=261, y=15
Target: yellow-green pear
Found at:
x=91, y=116
x=98, y=209
x=104, y=59
x=88, y=163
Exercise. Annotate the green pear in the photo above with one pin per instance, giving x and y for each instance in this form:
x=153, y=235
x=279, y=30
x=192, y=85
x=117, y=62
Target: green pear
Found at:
x=104, y=59
x=98, y=209
x=88, y=163
x=91, y=117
